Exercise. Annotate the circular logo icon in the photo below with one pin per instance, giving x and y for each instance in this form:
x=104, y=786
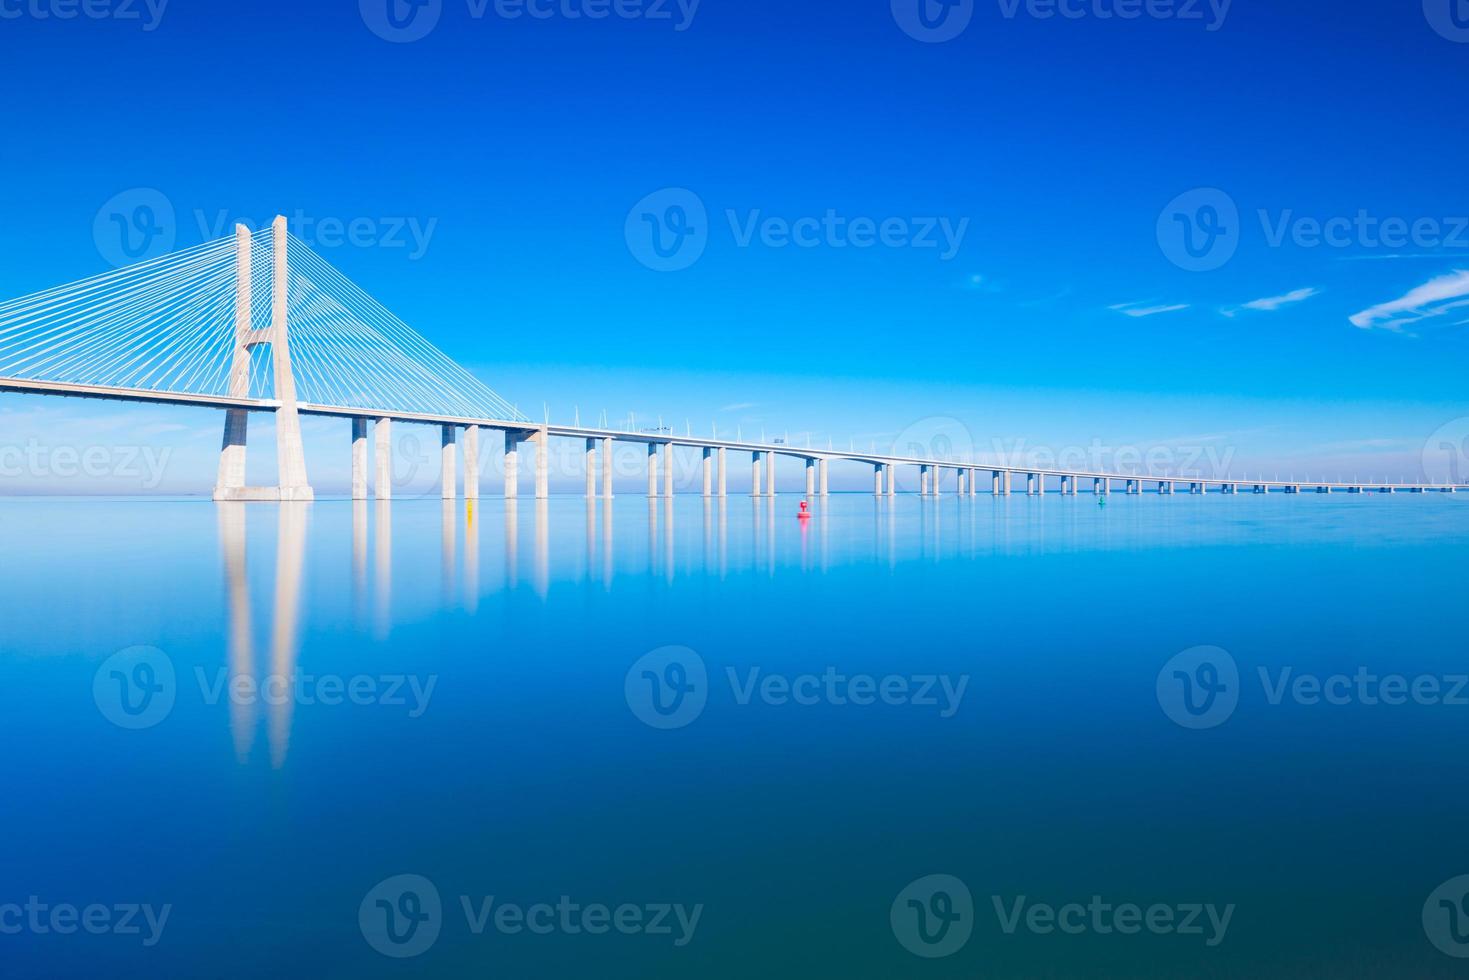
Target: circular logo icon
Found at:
x=933, y=21
x=1199, y=688
x=1446, y=454
x=937, y=437
x=135, y=688
x=667, y=688
x=1446, y=917
x=1449, y=17
x=668, y=230
x=1199, y=230
x=401, y=916
x=134, y=226
x=933, y=916
x=413, y=457
x=401, y=21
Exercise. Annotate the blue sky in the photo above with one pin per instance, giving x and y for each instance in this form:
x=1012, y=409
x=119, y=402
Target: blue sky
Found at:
x=1041, y=180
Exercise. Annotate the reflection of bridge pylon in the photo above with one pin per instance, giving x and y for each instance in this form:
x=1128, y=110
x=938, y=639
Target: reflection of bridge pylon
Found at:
x=278, y=688
x=290, y=454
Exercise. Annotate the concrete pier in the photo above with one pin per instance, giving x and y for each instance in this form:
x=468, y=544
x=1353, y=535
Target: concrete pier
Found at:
x=471, y=462
x=652, y=470
x=447, y=463
x=606, y=469
x=723, y=485
x=757, y=487
x=1032, y=484
x=382, y=459
x=512, y=465
x=810, y=478
x=890, y=479
x=668, y=470
x=877, y=480
x=591, y=464
x=359, y=459
x=708, y=464
x=770, y=474
x=543, y=464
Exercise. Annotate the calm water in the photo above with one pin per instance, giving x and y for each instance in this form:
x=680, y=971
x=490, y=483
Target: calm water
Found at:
x=989, y=690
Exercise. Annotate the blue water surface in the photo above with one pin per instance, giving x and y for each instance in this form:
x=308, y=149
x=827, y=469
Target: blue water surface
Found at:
x=264, y=717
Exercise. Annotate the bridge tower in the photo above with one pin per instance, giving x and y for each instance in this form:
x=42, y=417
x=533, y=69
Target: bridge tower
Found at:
x=290, y=454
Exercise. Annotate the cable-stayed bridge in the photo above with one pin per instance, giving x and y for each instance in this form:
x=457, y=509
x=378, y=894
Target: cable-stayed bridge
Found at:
x=258, y=322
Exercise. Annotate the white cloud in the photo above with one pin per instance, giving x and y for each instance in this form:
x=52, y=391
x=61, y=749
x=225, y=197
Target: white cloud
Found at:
x=1272, y=303
x=982, y=283
x=1434, y=298
x=1142, y=309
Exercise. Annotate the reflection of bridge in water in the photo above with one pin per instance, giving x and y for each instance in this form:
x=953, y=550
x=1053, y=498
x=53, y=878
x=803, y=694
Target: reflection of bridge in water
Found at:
x=185, y=329
x=265, y=666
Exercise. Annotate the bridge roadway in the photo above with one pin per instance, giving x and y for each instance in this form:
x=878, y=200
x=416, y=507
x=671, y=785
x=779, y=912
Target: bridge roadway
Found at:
x=518, y=432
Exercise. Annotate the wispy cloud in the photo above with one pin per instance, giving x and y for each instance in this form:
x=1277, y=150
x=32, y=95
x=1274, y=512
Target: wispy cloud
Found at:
x=1434, y=298
x=981, y=283
x=1272, y=303
x=1141, y=309
x=1388, y=256
x=739, y=407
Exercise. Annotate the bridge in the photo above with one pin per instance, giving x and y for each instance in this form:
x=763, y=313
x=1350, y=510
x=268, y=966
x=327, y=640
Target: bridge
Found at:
x=187, y=329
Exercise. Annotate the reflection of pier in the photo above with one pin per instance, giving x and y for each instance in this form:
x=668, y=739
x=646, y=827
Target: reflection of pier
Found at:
x=277, y=688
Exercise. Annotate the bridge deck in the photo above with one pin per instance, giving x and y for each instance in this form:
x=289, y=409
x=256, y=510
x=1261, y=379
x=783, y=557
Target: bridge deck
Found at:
x=583, y=432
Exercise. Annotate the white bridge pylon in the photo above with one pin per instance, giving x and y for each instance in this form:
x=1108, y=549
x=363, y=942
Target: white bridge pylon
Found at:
x=290, y=453
x=188, y=329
